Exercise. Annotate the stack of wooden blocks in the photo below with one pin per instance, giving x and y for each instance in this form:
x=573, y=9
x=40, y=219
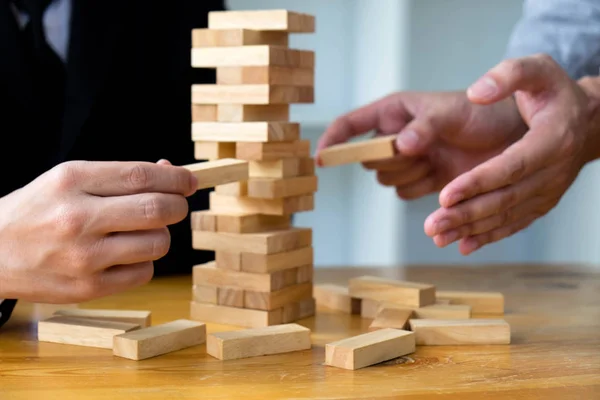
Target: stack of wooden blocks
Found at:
x=263, y=269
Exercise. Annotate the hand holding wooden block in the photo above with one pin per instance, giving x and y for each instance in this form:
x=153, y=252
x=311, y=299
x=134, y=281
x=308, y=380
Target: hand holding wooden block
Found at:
x=218, y=172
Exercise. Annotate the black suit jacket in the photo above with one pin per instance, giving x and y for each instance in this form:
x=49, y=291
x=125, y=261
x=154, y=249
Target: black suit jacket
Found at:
x=128, y=88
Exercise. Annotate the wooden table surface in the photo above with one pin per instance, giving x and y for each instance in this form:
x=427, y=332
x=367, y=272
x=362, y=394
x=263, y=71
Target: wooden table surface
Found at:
x=554, y=312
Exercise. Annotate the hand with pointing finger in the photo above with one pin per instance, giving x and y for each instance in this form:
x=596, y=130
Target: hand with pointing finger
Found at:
x=510, y=191
x=84, y=230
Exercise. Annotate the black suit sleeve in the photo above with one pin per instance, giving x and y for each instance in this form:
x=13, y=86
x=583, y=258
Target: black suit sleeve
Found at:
x=6, y=309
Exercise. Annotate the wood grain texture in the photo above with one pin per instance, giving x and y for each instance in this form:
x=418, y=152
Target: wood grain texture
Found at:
x=204, y=37
x=208, y=93
x=262, y=20
x=219, y=172
x=213, y=57
x=353, y=152
x=266, y=75
x=245, y=131
x=554, y=312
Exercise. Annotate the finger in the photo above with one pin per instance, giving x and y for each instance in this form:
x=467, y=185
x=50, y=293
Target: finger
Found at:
x=394, y=178
x=124, y=178
x=469, y=245
x=138, y=212
x=118, y=279
x=417, y=136
x=396, y=163
x=531, y=74
x=417, y=189
x=125, y=248
x=162, y=161
x=506, y=217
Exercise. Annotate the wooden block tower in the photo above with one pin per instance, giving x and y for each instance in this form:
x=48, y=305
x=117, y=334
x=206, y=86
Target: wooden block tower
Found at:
x=263, y=269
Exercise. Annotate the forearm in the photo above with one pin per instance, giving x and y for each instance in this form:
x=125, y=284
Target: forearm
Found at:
x=567, y=30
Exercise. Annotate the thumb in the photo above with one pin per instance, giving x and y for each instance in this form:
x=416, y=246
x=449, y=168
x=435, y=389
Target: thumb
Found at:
x=416, y=137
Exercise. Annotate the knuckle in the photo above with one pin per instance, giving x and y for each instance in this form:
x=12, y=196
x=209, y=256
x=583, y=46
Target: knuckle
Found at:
x=65, y=175
x=546, y=59
x=515, y=170
x=569, y=144
x=88, y=288
x=516, y=68
x=161, y=244
x=154, y=208
x=464, y=215
x=506, y=216
x=138, y=177
x=70, y=221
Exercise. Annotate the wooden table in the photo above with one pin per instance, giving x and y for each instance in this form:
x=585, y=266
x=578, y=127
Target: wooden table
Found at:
x=554, y=312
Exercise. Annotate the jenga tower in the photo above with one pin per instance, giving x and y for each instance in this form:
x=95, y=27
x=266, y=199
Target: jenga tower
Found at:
x=263, y=269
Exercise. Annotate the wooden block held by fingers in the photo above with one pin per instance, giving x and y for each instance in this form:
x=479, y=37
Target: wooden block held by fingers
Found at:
x=267, y=263
x=261, y=243
x=394, y=318
x=204, y=37
x=245, y=131
x=394, y=291
x=143, y=318
x=276, y=188
x=218, y=172
x=206, y=150
x=266, y=75
x=82, y=331
x=249, y=205
x=251, y=94
x=262, y=20
x=159, y=339
x=253, y=113
x=431, y=332
x=354, y=152
x=232, y=345
x=277, y=299
x=480, y=302
x=336, y=297
x=369, y=348
x=243, y=317
x=247, y=56
x=272, y=151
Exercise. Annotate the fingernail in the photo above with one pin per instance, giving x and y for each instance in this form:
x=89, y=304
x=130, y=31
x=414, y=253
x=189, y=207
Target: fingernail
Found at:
x=408, y=140
x=442, y=226
x=484, y=88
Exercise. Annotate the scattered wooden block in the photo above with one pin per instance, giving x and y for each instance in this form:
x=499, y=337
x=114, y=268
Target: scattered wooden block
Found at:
x=209, y=275
x=394, y=318
x=480, y=302
x=268, y=263
x=354, y=152
x=243, y=317
x=204, y=37
x=204, y=112
x=336, y=297
x=232, y=345
x=160, y=339
x=283, y=168
x=253, y=113
x=251, y=94
x=431, y=332
x=393, y=291
x=249, y=205
x=266, y=75
x=245, y=131
x=248, y=56
x=277, y=188
x=369, y=308
x=82, y=331
x=272, y=151
x=261, y=242
x=277, y=299
x=369, y=348
x=143, y=318
x=443, y=311
x=211, y=221
x=213, y=150
x=262, y=20
x=218, y=172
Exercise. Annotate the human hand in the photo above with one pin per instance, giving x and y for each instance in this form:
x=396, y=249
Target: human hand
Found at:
x=509, y=192
x=441, y=135
x=84, y=230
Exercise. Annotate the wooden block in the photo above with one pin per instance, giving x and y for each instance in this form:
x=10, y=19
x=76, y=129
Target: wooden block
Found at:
x=305, y=273
x=233, y=345
x=218, y=172
x=290, y=312
x=306, y=308
x=207, y=93
x=480, y=302
x=262, y=20
x=336, y=297
x=228, y=296
x=277, y=299
x=228, y=260
x=272, y=151
x=284, y=168
x=204, y=112
x=143, y=318
x=394, y=318
x=262, y=242
x=369, y=308
x=208, y=274
x=233, y=189
x=394, y=291
x=442, y=311
x=160, y=339
x=82, y=331
x=430, y=332
x=253, y=113
x=252, y=223
x=243, y=317
x=354, y=152
x=247, y=56
x=249, y=205
x=204, y=37
x=205, y=294
x=267, y=263
x=245, y=131
x=204, y=220
x=213, y=150
x=266, y=75
x=276, y=188
x=369, y=348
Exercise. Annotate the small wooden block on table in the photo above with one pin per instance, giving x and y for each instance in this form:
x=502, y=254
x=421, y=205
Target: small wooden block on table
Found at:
x=480, y=302
x=432, y=332
x=412, y=294
x=218, y=172
x=354, y=152
x=142, y=318
x=395, y=318
x=336, y=297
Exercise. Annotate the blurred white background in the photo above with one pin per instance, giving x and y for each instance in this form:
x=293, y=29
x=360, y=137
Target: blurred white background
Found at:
x=366, y=49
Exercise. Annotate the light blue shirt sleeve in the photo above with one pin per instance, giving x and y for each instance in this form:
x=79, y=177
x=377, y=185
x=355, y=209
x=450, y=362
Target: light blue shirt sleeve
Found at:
x=567, y=30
